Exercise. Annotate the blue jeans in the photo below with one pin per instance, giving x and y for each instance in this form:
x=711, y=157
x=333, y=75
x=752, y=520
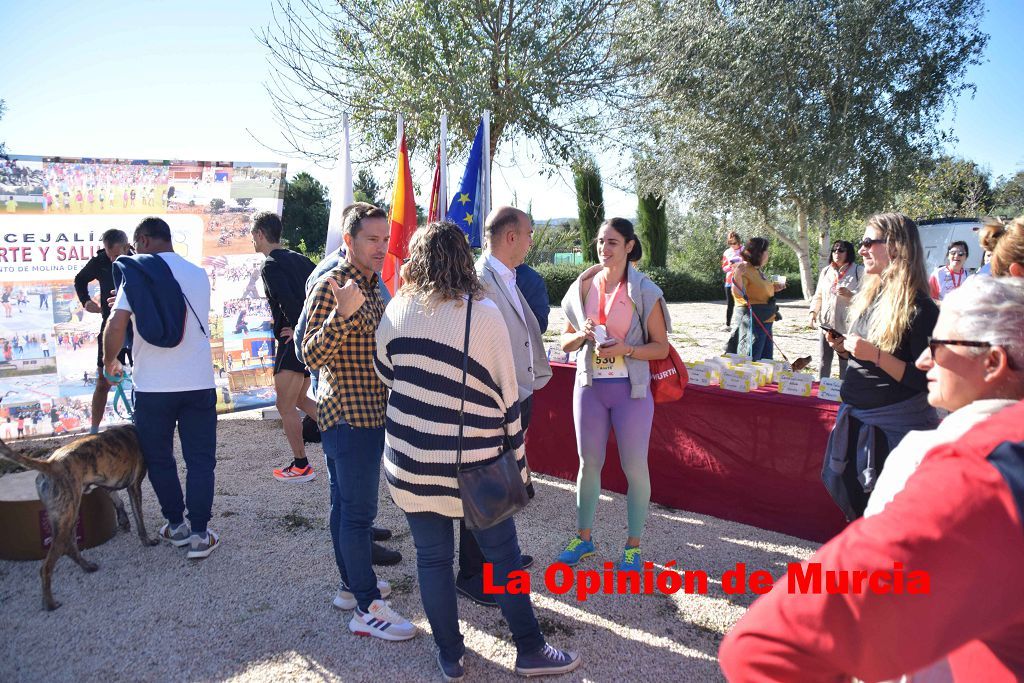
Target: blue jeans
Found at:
x=434, y=537
x=353, y=467
x=195, y=414
x=762, y=347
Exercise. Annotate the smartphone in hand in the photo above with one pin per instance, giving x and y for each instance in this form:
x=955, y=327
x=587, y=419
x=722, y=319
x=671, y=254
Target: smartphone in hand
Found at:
x=833, y=332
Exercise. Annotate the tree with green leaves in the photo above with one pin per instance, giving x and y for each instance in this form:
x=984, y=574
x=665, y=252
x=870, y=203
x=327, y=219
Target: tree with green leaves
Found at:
x=797, y=112
x=947, y=187
x=652, y=226
x=589, y=204
x=1008, y=197
x=305, y=213
x=541, y=67
x=366, y=189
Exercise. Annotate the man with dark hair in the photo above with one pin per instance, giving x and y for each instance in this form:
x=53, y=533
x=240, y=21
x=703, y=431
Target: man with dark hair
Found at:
x=100, y=268
x=509, y=234
x=162, y=294
x=358, y=212
x=343, y=311
x=284, y=276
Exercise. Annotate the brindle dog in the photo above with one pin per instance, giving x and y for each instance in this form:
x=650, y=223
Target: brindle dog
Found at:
x=110, y=460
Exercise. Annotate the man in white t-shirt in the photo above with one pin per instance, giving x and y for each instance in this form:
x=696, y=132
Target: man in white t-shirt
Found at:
x=174, y=383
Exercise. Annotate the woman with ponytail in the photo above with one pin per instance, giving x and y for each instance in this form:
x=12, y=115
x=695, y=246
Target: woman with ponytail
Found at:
x=617, y=321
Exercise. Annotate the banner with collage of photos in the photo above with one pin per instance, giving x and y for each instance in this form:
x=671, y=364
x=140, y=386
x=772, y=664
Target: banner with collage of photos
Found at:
x=54, y=211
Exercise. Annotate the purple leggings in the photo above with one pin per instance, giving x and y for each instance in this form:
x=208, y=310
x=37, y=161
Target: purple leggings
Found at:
x=596, y=410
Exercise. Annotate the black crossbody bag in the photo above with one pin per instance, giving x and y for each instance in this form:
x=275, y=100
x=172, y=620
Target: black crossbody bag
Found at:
x=491, y=491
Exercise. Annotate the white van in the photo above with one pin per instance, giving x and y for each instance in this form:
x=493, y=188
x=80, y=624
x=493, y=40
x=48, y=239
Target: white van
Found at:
x=937, y=234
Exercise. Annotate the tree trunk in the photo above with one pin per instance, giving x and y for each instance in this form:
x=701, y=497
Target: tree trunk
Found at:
x=800, y=246
x=825, y=239
x=803, y=252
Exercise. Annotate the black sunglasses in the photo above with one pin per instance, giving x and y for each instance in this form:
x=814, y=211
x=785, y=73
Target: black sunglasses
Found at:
x=867, y=243
x=839, y=250
x=933, y=344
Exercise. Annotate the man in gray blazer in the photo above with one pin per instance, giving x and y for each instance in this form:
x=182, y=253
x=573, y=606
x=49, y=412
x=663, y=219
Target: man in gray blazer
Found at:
x=509, y=233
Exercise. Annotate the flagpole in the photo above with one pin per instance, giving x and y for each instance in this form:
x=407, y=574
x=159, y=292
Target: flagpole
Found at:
x=442, y=194
x=341, y=192
x=486, y=169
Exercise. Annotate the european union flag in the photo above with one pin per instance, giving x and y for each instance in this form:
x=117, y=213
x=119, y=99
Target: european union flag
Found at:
x=465, y=209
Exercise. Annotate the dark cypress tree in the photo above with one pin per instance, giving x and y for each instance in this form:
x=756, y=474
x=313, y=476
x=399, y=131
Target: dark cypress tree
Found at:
x=590, y=204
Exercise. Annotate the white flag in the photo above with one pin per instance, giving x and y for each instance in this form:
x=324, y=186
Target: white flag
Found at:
x=341, y=193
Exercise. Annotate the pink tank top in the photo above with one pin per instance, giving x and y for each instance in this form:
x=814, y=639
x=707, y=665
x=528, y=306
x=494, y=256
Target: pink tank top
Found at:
x=618, y=308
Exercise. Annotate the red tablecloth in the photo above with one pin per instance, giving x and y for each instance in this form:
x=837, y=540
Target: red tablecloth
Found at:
x=752, y=458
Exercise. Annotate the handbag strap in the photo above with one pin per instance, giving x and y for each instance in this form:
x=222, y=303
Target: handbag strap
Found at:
x=465, y=369
x=462, y=405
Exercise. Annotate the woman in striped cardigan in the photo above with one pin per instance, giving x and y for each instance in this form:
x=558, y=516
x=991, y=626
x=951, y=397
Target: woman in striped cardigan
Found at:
x=419, y=357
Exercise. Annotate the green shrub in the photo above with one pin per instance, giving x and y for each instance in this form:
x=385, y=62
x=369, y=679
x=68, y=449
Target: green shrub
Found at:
x=677, y=285
x=559, y=278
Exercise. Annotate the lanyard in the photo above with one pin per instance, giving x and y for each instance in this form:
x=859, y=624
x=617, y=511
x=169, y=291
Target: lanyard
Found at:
x=841, y=274
x=602, y=312
x=953, y=278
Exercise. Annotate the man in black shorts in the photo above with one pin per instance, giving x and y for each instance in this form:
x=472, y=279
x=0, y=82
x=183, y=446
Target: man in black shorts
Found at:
x=284, y=276
x=100, y=268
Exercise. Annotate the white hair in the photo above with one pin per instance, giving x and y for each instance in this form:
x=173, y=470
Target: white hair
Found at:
x=990, y=309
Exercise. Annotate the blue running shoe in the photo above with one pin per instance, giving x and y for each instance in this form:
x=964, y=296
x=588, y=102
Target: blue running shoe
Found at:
x=630, y=561
x=575, y=551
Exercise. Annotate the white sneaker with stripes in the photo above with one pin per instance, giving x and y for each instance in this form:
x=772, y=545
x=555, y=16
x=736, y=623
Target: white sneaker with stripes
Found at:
x=380, y=621
x=346, y=600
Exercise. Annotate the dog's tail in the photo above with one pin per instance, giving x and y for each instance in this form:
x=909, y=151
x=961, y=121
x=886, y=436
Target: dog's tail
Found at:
x=43, y=466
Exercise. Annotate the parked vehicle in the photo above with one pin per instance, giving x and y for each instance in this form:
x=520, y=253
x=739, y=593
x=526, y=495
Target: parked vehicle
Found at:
x=938, y=233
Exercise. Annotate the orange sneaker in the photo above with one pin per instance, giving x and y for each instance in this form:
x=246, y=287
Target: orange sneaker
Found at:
x=293, y=473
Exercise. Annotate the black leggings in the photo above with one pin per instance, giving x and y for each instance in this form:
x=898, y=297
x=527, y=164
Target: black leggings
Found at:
x=730, y=303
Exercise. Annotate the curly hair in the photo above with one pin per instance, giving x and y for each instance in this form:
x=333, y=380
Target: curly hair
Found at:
x=440, y=266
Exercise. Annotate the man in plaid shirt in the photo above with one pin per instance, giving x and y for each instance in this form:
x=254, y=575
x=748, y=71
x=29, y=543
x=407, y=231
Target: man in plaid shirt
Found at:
x=343, y=311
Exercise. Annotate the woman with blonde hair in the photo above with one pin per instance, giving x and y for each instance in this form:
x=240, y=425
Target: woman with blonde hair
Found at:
x=1006, y=244
x=444, y=352
x=884, y=394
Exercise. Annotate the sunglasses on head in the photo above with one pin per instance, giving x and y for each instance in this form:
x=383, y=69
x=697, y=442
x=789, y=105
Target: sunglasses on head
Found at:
x=867, y=243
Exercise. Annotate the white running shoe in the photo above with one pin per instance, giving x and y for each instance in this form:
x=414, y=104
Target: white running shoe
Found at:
x=381, y=621
x=344, y=599
x=202, y=546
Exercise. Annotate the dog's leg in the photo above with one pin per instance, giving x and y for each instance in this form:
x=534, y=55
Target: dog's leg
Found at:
x=122, y=516
x=59, y=530
x=135, y=496
x=46, y=573
x=70, y=542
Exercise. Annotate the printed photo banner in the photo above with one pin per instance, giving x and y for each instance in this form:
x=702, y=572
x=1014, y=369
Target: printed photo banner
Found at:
x=54, y=211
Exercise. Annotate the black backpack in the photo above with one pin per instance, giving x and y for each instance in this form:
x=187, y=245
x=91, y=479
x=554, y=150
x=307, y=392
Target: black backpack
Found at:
x=310, y=432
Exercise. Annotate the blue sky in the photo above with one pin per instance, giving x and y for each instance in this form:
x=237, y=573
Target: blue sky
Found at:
x=184, y=80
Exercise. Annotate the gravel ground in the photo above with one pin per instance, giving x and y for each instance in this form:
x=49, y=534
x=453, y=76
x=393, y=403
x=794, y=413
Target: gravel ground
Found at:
x=259, y=608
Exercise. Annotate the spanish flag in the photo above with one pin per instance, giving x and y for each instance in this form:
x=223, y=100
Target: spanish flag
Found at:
x=403, y=221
